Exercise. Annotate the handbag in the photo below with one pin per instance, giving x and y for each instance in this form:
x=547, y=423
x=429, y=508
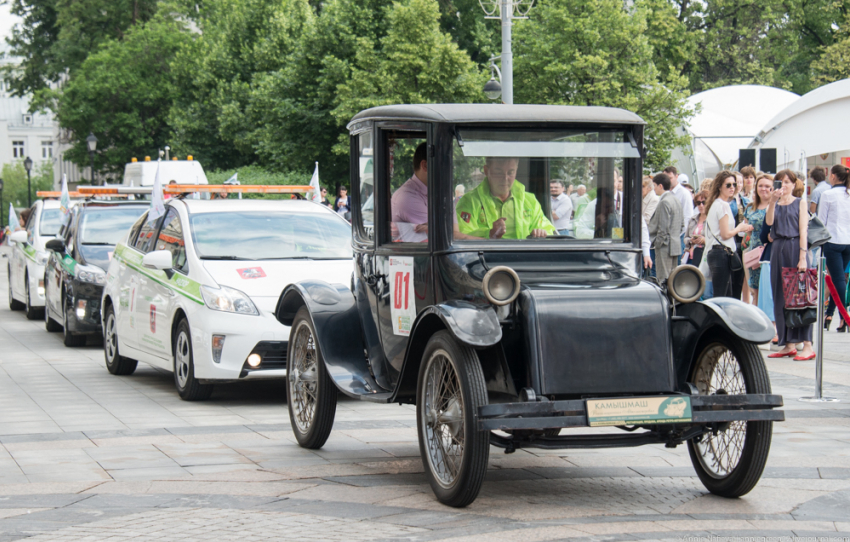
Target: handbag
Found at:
x=800, y=288
x=817, y=234
x=752, y=258
x=800, y=317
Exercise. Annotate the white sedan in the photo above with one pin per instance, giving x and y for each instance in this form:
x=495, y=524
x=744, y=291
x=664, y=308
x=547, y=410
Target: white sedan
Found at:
x=26, y=265
x=195, y=291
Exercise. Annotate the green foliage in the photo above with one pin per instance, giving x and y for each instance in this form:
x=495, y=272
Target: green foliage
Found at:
x=464, y=21
x=260, y=175
x=123, y=93
x=14, y=177
x=584, y=52
x=834, y=61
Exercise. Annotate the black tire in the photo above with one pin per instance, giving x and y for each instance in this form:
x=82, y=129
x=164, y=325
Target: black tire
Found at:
x=115, y=362
x=32, y=313
x=13, y=303
x=50, y=324
x=311, y=394
x=69, y=338
x=731, y=462
x=442, y=420
x=187, y=385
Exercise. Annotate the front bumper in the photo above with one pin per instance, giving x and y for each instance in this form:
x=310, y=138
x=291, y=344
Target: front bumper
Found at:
x=709, y=412
x=85, y=308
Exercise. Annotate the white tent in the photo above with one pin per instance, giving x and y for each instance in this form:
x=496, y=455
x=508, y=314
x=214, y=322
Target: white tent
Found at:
x=728, y=120
x=810, y=131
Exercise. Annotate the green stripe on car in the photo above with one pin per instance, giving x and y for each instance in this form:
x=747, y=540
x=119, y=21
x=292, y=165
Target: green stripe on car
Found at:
x=182, y=285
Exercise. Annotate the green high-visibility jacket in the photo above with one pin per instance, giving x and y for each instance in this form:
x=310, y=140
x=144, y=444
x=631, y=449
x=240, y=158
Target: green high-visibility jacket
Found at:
x=479, y=209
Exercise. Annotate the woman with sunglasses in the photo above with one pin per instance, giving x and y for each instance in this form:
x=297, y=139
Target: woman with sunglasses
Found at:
x=720, y=262
x=754, y=215
x=787, y=216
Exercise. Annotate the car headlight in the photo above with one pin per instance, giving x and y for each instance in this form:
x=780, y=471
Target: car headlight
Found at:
x=92, y=277
x=686, y=284
x=501, y=285
x=228, y=300
x=41, y=257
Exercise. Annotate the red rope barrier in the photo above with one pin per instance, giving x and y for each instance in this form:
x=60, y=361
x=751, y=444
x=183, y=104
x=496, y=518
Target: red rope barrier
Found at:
x=835, y=297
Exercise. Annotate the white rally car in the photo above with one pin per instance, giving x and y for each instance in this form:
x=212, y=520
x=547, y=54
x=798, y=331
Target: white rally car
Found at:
x=195, y=291
x=26, y=265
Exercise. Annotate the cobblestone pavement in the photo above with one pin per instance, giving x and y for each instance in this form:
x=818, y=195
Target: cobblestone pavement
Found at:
x=85, y=455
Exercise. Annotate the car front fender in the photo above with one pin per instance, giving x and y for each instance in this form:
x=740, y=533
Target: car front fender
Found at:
x=336, y=323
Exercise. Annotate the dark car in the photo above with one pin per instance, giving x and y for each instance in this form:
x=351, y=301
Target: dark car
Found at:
x=504, y=332
x=75, y=272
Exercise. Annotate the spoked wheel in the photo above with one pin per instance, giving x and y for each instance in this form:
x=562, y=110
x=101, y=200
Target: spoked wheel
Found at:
x=312, y=394
x=14, y=304
x=451, y=388
x=69, y=338
x=188, y=387
x=33, y=313
x=731, y=459
x=115, y=362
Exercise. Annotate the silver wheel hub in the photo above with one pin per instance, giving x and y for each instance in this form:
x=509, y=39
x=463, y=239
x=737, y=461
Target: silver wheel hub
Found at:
x=182, y=358
x=110, y=343
x=303, y=379
x=719, y=373
x=443, y=418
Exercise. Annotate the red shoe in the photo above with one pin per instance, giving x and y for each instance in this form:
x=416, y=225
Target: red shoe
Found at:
x=790, y=354
x=807, y=358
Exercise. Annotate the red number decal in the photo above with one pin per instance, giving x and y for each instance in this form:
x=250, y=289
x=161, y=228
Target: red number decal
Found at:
x=406, y=290
x=397, y=285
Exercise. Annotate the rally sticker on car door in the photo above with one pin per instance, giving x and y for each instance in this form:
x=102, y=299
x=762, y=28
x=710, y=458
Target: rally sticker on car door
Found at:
x=402, y=299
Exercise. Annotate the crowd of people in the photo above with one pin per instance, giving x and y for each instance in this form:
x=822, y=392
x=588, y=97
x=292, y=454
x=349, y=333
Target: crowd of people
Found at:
x=743, y=228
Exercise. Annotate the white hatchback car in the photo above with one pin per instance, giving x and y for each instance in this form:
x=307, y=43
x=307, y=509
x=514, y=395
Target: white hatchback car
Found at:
x=195, y=291
x=26, y=265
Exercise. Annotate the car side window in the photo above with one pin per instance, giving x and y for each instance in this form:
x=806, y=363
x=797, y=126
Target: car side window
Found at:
x=170, y=238
x=134, y=231
x=31, y=225
x=145, y=242
x=407, y=189
x=366, y=225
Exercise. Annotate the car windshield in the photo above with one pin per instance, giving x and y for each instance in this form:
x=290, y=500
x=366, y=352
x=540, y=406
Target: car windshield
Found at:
x=51, y=221
x=518, y=184
x=270, y=235
x=107, y=225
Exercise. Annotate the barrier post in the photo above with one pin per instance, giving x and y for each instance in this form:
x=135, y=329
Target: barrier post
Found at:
x=818, y=397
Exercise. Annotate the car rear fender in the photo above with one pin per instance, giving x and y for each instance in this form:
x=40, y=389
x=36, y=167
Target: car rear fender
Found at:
x=336, y=322
x=470, y=324
x=694, y=320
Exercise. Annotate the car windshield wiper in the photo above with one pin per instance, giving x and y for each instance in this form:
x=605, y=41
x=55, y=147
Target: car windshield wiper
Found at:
x=221, y=258
x=98, y=244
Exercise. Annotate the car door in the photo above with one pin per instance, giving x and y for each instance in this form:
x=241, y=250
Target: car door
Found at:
x=53, y=270
x=147, y=295
x=402, y=253
x=126, y=282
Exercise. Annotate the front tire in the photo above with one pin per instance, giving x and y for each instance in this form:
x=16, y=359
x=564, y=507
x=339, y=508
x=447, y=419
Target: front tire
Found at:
x=33, y=313
x=14, y=304
x=312, y=395
x=115, y=362
x=454, y=452
x=69, y=338
x=730, y=461
x=50, y=324
x=187, y=385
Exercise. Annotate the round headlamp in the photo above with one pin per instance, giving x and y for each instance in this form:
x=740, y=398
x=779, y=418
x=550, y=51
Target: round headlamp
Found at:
x=501, y=285
x=686, y=284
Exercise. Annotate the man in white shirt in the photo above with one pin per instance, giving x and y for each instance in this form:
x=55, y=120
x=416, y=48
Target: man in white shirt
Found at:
x=685, y=199
x=562, y=207
x=823, y=185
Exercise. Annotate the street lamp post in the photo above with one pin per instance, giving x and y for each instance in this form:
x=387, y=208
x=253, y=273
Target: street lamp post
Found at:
x=91, y=142
x=507, y=10
x=28, y=167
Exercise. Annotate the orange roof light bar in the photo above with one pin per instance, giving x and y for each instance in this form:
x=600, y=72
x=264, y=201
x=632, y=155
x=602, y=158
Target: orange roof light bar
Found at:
x=234, y=189
x=54, y=194
x=112, y=190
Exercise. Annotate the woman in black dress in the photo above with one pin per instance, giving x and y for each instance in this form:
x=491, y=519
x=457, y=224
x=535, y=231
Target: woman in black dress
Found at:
x=790, y=223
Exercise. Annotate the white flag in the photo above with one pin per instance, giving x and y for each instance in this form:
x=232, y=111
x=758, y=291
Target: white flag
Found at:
x=232, y=180
x=314, y=183
x=14, y=223
x=157, y=205
x=65, y=198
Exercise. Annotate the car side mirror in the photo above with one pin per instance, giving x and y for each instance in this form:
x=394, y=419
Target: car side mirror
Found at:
x=56, y=245
x=158, y=259
x=18, y=237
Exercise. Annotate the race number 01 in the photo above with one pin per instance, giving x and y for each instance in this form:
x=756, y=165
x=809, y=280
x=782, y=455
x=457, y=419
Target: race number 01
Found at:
x=401, y=288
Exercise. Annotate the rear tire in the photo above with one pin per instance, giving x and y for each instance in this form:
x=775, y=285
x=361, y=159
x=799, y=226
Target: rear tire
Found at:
x=13, y=303
x=454, y=451
x=730, y=461
x=187, y=385
x=33, y=313
x=69, y=338
x=115, y=362
x=312, y=395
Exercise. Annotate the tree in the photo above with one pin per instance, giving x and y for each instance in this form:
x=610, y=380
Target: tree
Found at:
x=123, y=93
x=833, y=64
x=464, y=21
x=14, y=177
x=582, y=52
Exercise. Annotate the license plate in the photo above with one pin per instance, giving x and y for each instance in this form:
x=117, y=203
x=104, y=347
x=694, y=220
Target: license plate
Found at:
x=638, y=410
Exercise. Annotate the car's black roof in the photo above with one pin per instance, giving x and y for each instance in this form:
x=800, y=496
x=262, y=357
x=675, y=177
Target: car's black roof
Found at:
x=478, y=113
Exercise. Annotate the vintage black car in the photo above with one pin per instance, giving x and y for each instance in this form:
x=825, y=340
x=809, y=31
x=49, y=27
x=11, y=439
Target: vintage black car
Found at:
x=75, y=272
x=504, y=331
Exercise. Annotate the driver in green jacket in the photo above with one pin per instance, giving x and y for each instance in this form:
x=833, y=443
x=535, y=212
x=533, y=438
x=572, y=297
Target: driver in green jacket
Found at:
x=500, y=207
